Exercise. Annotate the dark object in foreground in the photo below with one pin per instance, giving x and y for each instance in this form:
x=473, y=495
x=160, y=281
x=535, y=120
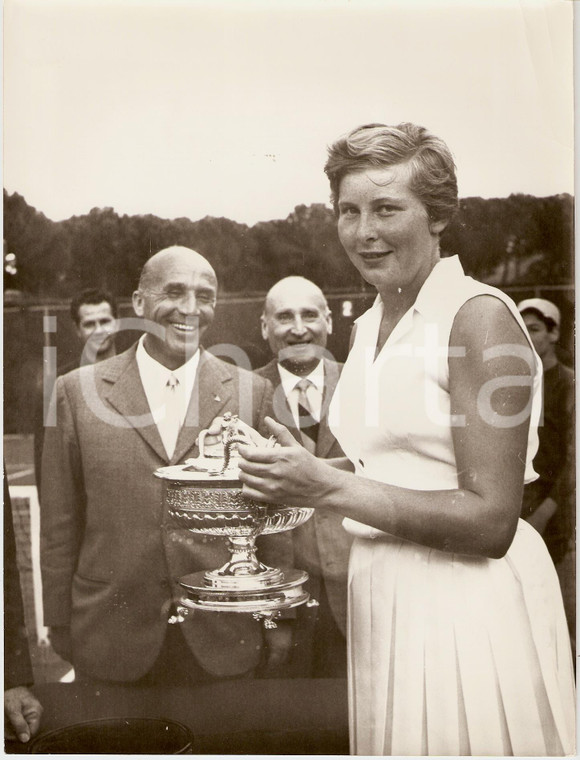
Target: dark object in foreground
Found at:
x=116, y=736
x=238, y=716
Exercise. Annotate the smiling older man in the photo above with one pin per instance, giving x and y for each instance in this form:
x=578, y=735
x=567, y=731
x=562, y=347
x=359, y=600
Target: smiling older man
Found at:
x=296, y=322
x=110, y=556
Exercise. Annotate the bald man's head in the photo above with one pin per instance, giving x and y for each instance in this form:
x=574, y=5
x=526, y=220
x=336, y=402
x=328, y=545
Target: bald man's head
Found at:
x=296, y=322
x=174, y=255
x=178, y=291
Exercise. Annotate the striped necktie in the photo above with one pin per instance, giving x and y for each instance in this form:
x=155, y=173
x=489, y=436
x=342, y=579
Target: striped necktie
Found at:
x=307, y=422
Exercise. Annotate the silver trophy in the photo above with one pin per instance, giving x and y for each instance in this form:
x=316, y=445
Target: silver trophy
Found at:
x=204, y=495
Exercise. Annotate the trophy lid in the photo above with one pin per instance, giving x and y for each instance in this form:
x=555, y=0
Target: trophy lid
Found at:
x=216, y=465
x=207, y=470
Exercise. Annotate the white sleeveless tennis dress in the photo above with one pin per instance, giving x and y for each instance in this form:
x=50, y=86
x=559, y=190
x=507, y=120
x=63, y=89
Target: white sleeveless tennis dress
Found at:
x=448, y=654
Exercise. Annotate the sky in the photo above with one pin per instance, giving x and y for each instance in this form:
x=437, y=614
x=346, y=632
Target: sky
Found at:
x=226, y=107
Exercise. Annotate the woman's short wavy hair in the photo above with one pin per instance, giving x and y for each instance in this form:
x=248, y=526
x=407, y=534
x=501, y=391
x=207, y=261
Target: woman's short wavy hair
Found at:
x=433, y=178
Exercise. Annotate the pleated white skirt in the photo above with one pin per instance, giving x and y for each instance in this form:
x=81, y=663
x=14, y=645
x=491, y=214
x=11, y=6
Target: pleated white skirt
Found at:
x=457, y=655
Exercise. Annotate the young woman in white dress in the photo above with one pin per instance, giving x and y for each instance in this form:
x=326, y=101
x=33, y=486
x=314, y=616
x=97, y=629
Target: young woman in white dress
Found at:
x=457, y=636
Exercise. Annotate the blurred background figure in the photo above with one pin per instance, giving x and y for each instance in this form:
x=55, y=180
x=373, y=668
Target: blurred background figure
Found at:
x=22, y=711
x=94, y=313
x=296, y=322
x=549, y=502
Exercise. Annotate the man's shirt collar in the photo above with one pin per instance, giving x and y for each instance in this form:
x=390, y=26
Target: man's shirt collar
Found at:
x=289, y=379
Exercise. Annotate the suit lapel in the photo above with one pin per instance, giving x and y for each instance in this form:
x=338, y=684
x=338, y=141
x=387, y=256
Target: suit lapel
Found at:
x=283, y=414
x=212, y=392
x=127, y=396
x=331, y=374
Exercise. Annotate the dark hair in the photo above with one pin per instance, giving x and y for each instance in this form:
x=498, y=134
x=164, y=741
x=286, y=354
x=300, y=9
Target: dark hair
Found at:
x=548, y=321
x=91, y=296
x=433, y=178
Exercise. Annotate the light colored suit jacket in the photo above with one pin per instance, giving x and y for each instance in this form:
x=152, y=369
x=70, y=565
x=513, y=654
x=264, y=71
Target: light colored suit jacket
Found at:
x=110, y=555
x=321, y=545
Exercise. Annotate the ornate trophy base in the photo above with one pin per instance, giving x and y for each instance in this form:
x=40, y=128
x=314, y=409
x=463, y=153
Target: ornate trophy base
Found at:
x=245, y=594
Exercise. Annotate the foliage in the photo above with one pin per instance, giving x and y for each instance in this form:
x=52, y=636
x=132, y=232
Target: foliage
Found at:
x=515, y=240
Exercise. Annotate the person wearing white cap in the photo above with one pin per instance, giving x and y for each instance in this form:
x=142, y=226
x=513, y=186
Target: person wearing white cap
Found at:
x=546, y=310
x=548, y=502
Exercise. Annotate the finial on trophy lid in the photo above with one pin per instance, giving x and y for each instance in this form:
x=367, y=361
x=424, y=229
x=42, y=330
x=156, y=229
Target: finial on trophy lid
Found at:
x=220, y=458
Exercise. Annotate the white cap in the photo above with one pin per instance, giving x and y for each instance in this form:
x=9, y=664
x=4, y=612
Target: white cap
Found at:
x=546, y=308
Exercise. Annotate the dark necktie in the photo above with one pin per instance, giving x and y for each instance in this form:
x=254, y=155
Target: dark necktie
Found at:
x=306, y=421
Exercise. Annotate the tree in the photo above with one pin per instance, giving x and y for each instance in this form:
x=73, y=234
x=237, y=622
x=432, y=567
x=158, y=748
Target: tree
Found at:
x=505, y=240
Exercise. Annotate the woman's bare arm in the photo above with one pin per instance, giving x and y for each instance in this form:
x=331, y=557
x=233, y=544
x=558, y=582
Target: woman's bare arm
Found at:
x=480, y=516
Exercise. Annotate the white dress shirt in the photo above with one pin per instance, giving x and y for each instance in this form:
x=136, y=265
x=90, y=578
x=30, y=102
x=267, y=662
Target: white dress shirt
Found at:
x=313, y=392
x=155, y=377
